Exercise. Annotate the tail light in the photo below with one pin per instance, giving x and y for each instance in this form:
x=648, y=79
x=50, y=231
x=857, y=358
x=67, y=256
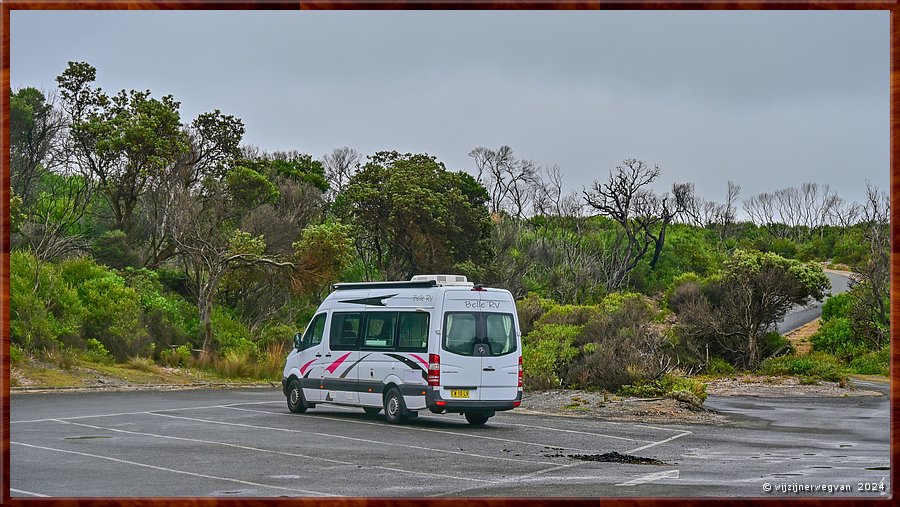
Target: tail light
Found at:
x=434, y=370
x=521, y=371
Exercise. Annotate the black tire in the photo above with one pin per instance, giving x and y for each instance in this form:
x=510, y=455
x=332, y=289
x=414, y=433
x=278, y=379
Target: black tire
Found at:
x=477, y=418
x=394, y=407
x=372, y=410
x=296, y=402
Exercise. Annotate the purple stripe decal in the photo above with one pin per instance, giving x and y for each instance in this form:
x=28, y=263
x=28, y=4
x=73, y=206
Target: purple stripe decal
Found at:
x=338, y=362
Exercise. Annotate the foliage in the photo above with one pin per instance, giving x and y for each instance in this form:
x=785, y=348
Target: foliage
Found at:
x=873, y=363
x=16, y=355
x=95, y=352
x=231, y=335
x=142, y=364
x=175, y=356
x=112, y=248
x=816, y=366
x=411, y=215
x=250, y=188
x=546, y=352
x=836, y=337
x=837, y=306
x=322, y=253
x=670, y=385
x=719, y=366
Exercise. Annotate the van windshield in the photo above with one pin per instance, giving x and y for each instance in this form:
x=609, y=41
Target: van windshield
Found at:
x=464, y=330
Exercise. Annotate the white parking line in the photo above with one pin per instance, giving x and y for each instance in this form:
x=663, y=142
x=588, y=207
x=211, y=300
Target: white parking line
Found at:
x=389, y=444
x=296, y=455
x=654, y=444
x=23, y=492
x=182, y=472
x=413, y=428
x=669, y=474
x=119, y=414
x=572, y=431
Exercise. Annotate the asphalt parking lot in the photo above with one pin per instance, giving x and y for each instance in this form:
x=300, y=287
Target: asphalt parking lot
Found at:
x=246, y=443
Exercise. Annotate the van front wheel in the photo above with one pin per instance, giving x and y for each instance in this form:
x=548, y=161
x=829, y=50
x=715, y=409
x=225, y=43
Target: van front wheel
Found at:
x=394, y=408
x=477, y=418
x=295, y=400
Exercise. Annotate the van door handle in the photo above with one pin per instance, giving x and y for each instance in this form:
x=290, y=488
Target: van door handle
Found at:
x=489, y=368
x=318, y=355
x=327, y=355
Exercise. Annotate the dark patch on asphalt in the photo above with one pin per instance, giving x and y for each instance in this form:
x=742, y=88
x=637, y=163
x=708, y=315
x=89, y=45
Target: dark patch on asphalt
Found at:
x=86, y=437
x=615, y=457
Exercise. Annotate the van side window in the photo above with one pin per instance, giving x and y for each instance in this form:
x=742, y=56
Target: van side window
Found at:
x=413, y=332
x=380, y=330
x=345, y=331
x=314, y=332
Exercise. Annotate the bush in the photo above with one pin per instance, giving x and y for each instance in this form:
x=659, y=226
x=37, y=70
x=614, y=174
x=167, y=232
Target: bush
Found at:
x=95, y=352
x=546, y=352
x=873, y=363
x=142, y=364
x=836, y=337
x=838, y=306
x=280, y=334
x=46, y=316
x=671, y=386
x=16, y=355
x=175, y=356
x=234, y=364
x=270, y=365
x=718, y=366
x=112, y=249
x=231, y=335
x=774, y=344
x=816, y=366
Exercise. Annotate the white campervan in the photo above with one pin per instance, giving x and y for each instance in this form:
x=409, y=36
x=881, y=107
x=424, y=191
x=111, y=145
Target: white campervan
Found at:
x=436, y=342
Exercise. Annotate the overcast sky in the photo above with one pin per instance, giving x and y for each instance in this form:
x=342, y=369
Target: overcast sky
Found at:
x=767, y=99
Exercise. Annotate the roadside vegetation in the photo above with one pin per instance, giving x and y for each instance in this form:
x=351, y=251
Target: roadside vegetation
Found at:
x=154, y=248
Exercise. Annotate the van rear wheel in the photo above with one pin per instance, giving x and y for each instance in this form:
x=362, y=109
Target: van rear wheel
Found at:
x=394, y=407
x=296, y=402
x=477, y=418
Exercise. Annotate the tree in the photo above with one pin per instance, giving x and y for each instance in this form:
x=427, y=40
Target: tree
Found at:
x=410, y=215
x=755, y=291
x=37, y=131
x=642, y=215
x=121, y=141
x=340, y=165
x=508, y=179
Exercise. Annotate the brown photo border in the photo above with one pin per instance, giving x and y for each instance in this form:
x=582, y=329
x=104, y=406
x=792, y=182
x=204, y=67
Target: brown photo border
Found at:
x=6, y=5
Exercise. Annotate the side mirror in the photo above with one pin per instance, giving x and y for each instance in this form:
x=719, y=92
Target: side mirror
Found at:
x=297, y=338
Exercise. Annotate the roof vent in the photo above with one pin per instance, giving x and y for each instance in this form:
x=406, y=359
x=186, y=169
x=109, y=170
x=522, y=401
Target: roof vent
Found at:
x=444, y=280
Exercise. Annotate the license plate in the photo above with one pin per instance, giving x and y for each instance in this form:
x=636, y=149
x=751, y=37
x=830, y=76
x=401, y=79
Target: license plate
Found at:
x=459, y=393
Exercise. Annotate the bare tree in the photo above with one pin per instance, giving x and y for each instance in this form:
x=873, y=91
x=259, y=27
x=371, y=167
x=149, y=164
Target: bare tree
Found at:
x=340, y=165
x=506, y=178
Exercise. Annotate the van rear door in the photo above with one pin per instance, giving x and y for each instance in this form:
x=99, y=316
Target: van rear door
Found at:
x=460, y=361
x=500, y=365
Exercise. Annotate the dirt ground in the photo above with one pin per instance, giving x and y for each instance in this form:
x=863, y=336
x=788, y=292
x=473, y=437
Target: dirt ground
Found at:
x=570, y=402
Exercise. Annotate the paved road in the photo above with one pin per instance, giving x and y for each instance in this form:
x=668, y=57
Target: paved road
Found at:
x=246, y=443
x=804, y=314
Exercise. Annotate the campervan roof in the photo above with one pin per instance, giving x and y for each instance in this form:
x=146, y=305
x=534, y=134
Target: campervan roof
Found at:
x=418, y=281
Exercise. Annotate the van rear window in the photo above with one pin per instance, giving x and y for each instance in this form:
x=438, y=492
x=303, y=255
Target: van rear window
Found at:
x=464, y=330
x=345, y=331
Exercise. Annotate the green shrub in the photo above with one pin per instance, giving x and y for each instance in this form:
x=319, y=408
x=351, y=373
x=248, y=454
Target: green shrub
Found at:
x=836, y=337
x=838, y=306
x=774, y=344
x=816, y=365
x=16, y=355
x=112, y=249
x=873, y=363
x=278, y=334
x=175, y=356
x=46, y=316
x=719, y=366
x=95, y=352
x=670, y=386
x=270, y=364
x=545, y=353
x=231, y=335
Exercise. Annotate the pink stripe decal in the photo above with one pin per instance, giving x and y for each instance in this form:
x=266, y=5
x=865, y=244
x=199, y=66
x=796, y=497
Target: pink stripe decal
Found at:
x=421, y=360
x=337, y=363
x=305, y=366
